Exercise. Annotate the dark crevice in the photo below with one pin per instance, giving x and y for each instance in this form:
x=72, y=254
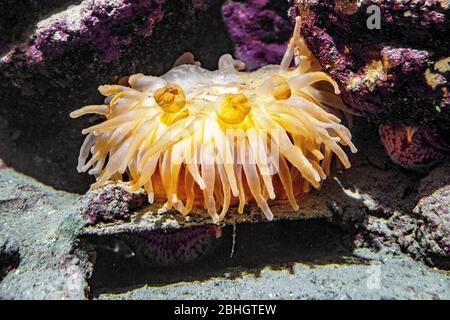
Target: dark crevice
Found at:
x=278, y=245
x=9, y=260
x=18, y=19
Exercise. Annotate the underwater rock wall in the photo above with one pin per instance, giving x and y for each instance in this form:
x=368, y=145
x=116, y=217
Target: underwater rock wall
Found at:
x=397, y=74
x=384, y=71
x=433, y=211
x=56, y=66
x=106, y=26
x=17, y=18
x=260, y=30
x=50, y=69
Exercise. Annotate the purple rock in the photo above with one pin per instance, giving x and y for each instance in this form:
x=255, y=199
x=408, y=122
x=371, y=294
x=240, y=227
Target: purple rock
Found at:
x=413, y=147
x=258, y=31
x=16, y=17
x=395, y=73
x=110, y=203
x=94, y=23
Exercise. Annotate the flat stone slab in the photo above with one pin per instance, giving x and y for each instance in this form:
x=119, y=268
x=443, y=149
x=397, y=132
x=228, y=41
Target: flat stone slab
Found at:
x=149, y=218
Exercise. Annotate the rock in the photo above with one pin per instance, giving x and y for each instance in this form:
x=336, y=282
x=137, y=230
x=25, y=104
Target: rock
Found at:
x=422, y=231
x=111, y=202
x=95, y=23
x=259, y=29
x=384, y=71
x=23, y=16
x=61, y=63
x=159, y=248
x=413, y=147
x=38, y=256
x=433, y=209
x=399, y=73
x=390, y=278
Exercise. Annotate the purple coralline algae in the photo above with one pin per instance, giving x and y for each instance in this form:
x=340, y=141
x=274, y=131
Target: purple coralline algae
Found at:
x=17, y=16
x=399, y=73
x=413, y=147
x=94, y=23
x=259, y=32
x=111, y=203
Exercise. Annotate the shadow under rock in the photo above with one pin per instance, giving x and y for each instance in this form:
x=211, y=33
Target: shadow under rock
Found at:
x=9, y=257
x=374, y=179
x=278, y=245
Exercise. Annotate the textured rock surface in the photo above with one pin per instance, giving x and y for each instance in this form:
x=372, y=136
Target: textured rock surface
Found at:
x=422, y=230
x=68, y=55
x=398, y=73
x=9, y=255
x=111, y=203
x=433, y=209
x=18, y=18
x=383, y=71
x=413, y=147
x=259, y=29
x=37, y=242
x=96, y=23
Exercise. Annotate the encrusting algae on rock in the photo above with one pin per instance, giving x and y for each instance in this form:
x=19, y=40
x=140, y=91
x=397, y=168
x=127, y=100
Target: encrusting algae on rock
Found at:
x=200, y=137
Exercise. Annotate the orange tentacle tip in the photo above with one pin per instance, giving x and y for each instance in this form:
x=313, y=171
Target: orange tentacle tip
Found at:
x=220, y=142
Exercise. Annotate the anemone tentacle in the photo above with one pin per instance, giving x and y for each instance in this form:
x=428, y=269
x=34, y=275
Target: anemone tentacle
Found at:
x=220, y=138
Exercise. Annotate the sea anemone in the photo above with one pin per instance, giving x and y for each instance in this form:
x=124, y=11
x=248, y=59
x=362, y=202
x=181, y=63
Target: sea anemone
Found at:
x=223, y=136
